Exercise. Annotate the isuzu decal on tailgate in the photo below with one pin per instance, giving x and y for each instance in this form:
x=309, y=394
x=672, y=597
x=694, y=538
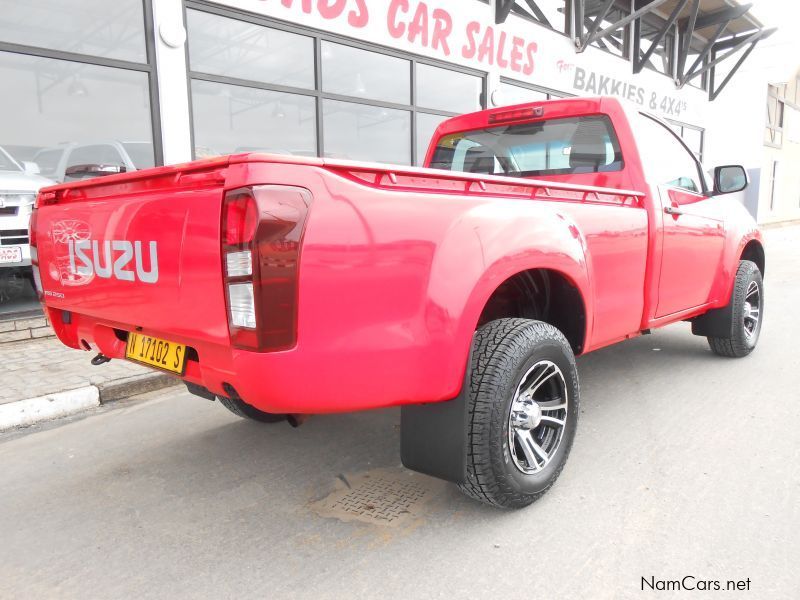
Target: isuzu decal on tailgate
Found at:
x=85, y=259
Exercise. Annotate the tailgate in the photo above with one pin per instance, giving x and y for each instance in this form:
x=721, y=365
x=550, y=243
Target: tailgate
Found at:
x=138, y=250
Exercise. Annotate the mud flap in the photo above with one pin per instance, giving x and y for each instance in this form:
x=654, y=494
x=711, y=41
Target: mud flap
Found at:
x=433, y=437
x=716, y=323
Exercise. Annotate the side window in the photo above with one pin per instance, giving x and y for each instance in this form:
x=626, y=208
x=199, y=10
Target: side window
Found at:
x=665, y=158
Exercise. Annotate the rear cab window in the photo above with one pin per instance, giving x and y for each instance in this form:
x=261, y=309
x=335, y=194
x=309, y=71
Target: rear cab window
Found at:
x=562, y=146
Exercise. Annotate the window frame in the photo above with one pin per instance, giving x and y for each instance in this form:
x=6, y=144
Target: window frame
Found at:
x=318, y=36
x=684, y=127
x=774, y=122
x=148, y=67
x=704, y=189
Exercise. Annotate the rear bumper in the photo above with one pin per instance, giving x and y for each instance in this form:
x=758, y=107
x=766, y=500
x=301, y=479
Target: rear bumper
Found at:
x=302, y=380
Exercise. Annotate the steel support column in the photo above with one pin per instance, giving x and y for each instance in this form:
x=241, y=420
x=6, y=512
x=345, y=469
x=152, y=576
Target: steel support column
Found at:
x=582, y=40
x=502, y=8
x=638, y=64
x=716, y=90
x=753, y=39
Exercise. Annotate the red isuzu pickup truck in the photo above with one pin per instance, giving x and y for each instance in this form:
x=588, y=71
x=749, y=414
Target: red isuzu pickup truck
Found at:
x=286, y=286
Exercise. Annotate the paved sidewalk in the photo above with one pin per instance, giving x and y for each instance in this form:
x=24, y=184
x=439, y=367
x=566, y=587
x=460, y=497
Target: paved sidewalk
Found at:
x=39, y=367
x=42, y=379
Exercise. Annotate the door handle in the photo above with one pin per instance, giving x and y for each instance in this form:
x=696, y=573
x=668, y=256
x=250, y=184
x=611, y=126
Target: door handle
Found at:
x=672, y=210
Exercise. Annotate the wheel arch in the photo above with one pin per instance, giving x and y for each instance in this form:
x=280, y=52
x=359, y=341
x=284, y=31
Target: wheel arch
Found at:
x=754, y=251
x=544, y=294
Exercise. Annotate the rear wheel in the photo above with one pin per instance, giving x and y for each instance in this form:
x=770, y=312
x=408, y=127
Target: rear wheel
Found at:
x=522, y=411
x=747, y=312
x=242, y=409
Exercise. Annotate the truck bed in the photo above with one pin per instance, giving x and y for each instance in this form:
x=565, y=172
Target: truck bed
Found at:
x=378, y=296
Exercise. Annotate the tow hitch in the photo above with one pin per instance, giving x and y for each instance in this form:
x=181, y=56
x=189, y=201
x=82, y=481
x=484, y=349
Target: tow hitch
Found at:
x=100, y=359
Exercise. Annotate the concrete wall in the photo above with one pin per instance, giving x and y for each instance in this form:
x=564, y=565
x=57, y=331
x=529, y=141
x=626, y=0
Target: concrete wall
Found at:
x=737, y=128
x=779, y=197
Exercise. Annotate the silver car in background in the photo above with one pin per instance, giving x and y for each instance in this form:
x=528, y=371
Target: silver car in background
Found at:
x=19, y=184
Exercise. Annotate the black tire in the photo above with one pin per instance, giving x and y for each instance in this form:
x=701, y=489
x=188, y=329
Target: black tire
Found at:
x=242, y=409
x=507, y=351
x=744, y=336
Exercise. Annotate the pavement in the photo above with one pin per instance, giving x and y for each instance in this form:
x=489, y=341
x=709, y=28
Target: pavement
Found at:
x=686, y=467
x=43, y=379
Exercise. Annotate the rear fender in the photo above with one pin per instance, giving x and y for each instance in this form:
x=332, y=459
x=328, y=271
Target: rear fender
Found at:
x=490, y=244
x=481, y=251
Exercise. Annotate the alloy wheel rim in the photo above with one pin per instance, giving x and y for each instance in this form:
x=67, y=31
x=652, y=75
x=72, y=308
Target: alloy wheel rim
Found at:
x=538, y=417
x=752, y=310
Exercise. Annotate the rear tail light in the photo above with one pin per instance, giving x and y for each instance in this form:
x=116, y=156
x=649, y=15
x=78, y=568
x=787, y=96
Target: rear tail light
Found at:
x=239, y=264
x=242, y=305
x=262, y=229
x=241, y=217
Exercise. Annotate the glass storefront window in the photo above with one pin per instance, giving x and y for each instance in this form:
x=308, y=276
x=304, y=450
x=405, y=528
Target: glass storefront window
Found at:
x=426, y=125
x=257, y=88
x=242, y=50
x=354, y=72
x=94, y=27
x=229, y=119
x=442, y=89
x=79, y=94
x=361, y=132
x=58, y=106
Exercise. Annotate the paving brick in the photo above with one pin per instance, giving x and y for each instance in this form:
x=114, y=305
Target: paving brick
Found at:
x=41, y=332
x=6, y=326
x=13, y=336
x=30, y=323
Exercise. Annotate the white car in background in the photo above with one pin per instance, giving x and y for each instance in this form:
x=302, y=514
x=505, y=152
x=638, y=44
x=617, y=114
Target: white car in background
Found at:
x=19, y=184
x=66, y=162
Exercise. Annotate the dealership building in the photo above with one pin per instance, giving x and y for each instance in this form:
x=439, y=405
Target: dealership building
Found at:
x=148, y=82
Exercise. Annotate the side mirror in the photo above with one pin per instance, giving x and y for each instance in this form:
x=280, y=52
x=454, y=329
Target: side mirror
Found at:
x=729, y=179
x=31, y=168
x=85, y=171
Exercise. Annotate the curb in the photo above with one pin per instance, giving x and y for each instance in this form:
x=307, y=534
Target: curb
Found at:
x=134, y=385
x=31, y=411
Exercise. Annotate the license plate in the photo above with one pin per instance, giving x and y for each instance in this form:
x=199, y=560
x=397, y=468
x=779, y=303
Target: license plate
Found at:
x=155, y=352
x=10, y=254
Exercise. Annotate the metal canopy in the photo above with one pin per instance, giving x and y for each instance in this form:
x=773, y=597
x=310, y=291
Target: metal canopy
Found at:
x=692, y=36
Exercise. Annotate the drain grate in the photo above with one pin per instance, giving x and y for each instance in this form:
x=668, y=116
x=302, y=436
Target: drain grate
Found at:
x=383, y=496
